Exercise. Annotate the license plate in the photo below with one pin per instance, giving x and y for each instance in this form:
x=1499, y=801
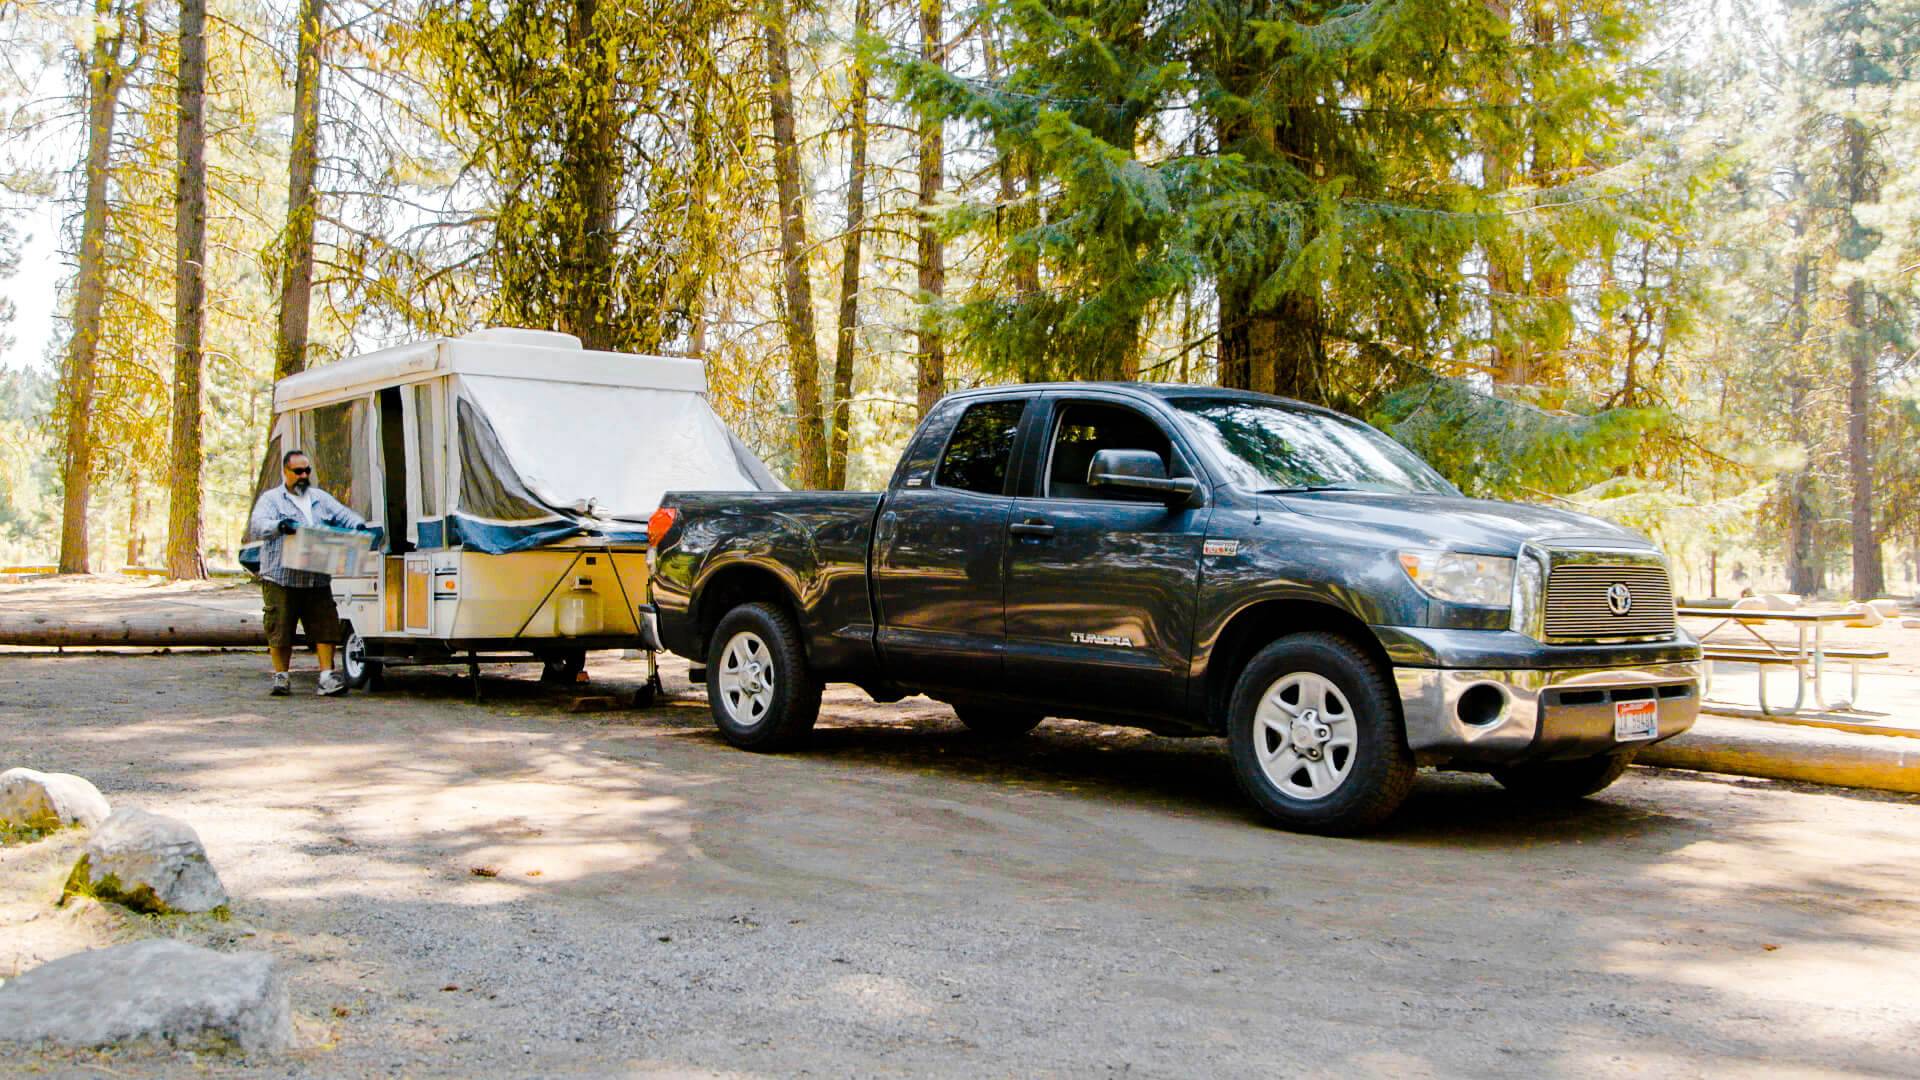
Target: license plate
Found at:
x=1635, y=720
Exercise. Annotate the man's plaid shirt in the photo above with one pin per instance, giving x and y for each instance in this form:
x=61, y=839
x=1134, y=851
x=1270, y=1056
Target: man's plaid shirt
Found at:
x=264, y=526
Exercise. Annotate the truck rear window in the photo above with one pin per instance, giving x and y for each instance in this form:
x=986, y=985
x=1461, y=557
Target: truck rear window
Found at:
x=981, y=447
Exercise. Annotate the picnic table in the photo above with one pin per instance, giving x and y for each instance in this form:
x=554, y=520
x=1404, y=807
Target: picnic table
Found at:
x=1803, y=656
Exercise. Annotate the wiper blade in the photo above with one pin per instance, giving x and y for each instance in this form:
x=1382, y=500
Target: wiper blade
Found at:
x=1307, y=487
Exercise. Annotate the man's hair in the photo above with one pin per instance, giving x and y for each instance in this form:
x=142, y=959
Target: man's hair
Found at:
x=286, y=459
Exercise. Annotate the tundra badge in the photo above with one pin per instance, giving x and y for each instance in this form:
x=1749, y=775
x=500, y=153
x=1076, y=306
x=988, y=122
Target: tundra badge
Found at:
x=1100, y=639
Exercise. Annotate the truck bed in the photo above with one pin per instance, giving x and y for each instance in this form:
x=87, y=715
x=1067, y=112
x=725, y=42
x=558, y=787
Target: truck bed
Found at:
x=819, y=539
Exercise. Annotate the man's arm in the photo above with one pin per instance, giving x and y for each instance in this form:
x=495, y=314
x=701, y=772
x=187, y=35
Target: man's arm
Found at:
x=265, y=522
x=335, y=513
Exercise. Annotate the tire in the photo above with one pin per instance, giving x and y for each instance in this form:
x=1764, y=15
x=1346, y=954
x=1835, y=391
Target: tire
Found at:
x=1316, y=737
x=564, y=667
x=768, y=699
x=361, y=671
x=993, y=722
x=1564, y=781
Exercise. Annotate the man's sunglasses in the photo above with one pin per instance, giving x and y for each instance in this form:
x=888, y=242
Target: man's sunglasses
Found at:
x=301, y=472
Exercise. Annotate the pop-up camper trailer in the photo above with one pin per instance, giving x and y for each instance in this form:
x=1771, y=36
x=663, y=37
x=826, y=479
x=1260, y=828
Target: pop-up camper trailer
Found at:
x=512, y=473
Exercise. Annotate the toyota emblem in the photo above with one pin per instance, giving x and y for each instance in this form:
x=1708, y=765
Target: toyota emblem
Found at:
x=1619, y=598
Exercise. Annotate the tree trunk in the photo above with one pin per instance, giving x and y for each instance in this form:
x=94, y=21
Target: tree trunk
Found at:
x=1508, y=362
x=803, y=352
x=1295, y=359
x=133, y=519
x=1246, y=341
x=106, y=75
x=189, y=296
x=931, y=368
x=296, y=273
x=593, y=161
x=850, y=260
x=1868, y=579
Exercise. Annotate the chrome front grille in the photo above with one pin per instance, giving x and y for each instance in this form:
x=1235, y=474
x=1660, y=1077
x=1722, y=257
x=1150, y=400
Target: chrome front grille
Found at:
x=1578, y=607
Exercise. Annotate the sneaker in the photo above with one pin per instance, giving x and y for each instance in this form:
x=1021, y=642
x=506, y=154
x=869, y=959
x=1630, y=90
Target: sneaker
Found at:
x=331, y=683
x=282, y=684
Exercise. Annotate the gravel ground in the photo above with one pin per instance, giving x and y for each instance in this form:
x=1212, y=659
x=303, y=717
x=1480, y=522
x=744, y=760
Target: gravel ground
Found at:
x=904, y=899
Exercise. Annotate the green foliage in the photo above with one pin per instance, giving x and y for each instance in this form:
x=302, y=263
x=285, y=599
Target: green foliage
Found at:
x=1301, y=163
x=604, y=144
x=1502, y=448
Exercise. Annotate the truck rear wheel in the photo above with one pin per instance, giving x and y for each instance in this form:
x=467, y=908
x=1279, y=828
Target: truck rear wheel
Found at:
x=997, y=723
x=762, y=692
x=1314, y=730
x=1564, y=781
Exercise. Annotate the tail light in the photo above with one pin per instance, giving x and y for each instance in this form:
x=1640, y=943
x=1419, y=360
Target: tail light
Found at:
x=660, y=524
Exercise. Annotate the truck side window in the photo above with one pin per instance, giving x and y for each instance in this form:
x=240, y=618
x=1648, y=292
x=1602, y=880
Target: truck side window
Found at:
x=981, y=447
x=1085, y=428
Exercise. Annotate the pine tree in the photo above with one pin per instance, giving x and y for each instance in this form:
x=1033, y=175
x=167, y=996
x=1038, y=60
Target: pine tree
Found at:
x=119, y=33
x=189, y=296
x=1301, y=164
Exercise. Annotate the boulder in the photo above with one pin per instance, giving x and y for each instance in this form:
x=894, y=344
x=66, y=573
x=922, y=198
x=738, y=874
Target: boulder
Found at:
x=40, y=800
x=1865, y=616
x=1886, y=606
x=1783, y=601
x=149, y=863
x=162, y=989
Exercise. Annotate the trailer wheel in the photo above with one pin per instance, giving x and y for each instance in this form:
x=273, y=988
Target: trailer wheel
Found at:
x=564, y=667
x=763, y=694
x=362, y=672
x=1563, y=781
x=1315, y=736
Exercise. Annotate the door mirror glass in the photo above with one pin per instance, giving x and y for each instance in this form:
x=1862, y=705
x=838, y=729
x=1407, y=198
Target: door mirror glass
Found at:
x=1110, y=465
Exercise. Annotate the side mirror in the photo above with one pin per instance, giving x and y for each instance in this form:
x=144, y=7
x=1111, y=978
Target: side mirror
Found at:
x=1139, y=470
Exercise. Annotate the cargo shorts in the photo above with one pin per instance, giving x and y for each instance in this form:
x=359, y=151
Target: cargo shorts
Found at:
x=310, y=608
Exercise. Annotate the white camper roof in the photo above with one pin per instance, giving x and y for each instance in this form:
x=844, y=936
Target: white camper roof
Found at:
x=512, y=353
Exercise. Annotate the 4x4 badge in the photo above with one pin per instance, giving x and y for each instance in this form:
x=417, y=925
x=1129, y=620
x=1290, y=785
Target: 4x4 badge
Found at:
x=1220, y=547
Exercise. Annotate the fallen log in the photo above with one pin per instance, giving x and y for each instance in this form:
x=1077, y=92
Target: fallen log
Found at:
x=182, y=627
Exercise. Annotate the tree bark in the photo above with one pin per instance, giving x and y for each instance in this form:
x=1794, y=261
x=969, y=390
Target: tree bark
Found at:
x=296, y=272
x=593, y=162
x=1868, y=579
x=106, y=76
x=931, y=357
x=189, y=296
x=850, y=260
x=803, y=352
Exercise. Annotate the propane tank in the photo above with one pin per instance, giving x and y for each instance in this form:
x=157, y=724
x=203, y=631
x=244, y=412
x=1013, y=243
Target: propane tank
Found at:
x=578, y=613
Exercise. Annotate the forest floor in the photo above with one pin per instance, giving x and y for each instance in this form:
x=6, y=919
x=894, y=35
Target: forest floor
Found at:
x=902, y=898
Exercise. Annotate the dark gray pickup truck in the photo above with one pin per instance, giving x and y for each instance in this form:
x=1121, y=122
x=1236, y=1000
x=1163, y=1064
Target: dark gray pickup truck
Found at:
x=1196, y=562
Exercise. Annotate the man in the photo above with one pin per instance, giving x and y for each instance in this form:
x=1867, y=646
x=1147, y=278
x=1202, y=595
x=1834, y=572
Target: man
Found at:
x=298, y=596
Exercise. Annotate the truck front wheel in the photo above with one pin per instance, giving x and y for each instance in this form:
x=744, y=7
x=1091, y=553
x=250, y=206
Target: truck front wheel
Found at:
x=1564, y=781
x=1315, y=735
x=762, y=692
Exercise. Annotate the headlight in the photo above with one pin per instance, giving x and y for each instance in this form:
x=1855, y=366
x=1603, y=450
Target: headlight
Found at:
x=1458, y=578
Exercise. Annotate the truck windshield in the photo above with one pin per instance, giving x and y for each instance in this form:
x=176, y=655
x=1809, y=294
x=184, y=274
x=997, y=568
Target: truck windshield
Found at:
x=1277, y=449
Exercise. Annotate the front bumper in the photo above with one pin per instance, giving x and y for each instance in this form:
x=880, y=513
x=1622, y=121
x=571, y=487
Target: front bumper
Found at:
x=1541, y=714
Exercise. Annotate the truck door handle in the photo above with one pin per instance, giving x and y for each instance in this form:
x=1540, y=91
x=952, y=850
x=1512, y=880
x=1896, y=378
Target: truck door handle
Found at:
x=1035, y=528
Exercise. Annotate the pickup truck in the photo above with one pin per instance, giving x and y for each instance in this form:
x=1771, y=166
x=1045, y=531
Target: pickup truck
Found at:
x=1193, y=561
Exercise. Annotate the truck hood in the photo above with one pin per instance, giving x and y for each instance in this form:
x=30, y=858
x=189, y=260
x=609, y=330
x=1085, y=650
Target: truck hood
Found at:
x=1460, y=524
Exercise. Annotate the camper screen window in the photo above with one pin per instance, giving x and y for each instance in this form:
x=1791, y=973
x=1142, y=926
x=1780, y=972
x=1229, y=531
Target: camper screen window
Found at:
x=335, y=436
x=427, y=428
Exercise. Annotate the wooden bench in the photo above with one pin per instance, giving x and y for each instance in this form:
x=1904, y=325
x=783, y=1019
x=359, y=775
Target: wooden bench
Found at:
x=1789, y=656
